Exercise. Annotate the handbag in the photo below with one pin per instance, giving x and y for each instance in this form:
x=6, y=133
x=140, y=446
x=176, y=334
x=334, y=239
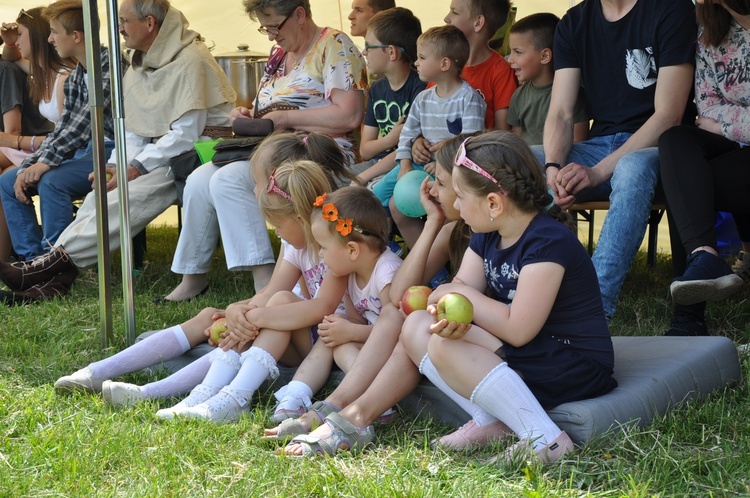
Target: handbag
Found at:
x=181, y=166
x=251, y=127
x=235, y=149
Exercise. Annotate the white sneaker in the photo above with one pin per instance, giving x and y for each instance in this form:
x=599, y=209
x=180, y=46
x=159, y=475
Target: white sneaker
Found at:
x=82, y=380
x=221, y=408
x=121, y=394
x=198, y=395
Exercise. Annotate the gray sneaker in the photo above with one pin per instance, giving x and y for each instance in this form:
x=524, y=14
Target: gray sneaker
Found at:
x=121, y=394
x=82, y=380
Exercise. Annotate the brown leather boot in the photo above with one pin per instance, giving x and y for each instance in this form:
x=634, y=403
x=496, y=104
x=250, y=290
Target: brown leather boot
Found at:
x=40, y=292
x=24, y=275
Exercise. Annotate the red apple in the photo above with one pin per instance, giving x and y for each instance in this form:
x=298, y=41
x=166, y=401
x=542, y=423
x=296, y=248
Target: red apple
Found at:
x=415, y=298
x=455, y=307
x=217, y=328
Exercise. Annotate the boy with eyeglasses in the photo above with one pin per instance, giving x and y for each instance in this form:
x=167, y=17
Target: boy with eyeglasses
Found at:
x=390, y=49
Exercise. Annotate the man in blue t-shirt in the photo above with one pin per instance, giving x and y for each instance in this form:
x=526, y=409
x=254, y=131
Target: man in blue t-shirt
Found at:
x=636, y=60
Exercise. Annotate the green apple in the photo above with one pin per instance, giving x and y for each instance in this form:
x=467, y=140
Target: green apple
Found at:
x=217, y=328
x=415, y=298
x=108, y=176
x=455, y=307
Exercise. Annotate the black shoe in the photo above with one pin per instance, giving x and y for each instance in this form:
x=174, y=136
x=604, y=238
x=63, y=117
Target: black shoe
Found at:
x=682, y=326
x=24, y=275
x=707, y=278
x=163, y=300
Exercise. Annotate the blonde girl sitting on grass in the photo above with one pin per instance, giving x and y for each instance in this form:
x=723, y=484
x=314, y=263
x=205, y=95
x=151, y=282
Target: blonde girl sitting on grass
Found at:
x=176, y=340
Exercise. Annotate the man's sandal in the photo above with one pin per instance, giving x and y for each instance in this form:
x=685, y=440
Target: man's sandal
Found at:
x=343, y=437
x=290, y=428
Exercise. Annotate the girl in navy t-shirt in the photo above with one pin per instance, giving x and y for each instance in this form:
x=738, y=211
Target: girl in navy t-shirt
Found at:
x=541, y=339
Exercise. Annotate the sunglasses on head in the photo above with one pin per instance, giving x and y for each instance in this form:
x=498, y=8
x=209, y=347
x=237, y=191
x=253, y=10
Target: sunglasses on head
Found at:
x=273, y=187
x=462, y=159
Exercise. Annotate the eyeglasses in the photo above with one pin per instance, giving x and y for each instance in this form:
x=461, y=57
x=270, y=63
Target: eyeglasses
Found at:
x=462, y=160
x=122, y=22
x=273, y=187
x=273, y=30
x=371, y=47
x=24, y=13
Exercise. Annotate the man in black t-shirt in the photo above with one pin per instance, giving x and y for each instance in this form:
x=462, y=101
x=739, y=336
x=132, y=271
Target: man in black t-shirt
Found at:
x=635, y=59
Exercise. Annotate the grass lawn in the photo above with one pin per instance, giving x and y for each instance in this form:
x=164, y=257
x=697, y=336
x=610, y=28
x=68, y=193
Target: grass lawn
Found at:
x=79, y=446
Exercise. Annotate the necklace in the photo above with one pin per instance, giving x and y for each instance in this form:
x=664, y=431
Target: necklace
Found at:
x=296, y=61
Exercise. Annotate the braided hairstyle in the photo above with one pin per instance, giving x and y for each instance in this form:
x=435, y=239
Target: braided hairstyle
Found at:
x=510, y=161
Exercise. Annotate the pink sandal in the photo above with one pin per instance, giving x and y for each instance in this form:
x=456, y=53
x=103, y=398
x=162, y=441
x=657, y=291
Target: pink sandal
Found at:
x=470, y=435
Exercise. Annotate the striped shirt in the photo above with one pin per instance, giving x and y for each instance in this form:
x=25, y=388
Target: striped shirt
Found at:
x=437, y=118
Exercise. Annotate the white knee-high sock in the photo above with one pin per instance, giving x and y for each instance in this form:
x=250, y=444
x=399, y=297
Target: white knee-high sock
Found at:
x=214, y=370
x=257, y=366
x=180, y=382
x=481, y=417
x=506, y=396
x=161, y=346
x=224, y=367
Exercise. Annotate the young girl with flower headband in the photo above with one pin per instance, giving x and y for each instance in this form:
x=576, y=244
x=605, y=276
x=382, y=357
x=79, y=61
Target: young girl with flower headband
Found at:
x=176, y=340
x=282, y=330
x=351, y=229
x=550, y=347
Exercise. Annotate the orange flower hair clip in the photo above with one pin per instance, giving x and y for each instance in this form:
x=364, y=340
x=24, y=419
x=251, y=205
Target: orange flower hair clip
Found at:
x=344, y=226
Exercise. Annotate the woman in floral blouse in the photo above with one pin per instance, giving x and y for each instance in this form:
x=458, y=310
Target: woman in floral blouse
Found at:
x=707, y=168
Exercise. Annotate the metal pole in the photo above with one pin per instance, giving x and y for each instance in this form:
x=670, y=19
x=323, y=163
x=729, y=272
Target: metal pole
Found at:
x=93, y=71
x=118, y=113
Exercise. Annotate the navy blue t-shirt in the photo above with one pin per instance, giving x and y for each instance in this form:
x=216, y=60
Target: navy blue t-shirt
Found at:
x=619, y=61
x=571, y=357
x=386, y=106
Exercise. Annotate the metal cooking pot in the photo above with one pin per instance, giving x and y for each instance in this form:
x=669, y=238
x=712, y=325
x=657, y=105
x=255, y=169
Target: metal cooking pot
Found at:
x=244, y=69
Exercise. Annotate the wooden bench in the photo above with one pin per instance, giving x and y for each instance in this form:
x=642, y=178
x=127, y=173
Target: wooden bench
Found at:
x=584, y=211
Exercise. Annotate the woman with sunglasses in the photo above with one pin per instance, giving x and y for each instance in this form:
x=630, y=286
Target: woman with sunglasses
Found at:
x=32, y=75
x=315, y=81
x=550, y=347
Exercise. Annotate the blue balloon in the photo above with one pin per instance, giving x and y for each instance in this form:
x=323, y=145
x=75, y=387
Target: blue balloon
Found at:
x=406, y=193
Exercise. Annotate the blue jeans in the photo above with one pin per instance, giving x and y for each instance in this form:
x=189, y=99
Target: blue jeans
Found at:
x=56, y=189
x=630, y=192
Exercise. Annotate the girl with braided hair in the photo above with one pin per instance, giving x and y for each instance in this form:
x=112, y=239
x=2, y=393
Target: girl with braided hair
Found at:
x=552, y=345
x=513, y=362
